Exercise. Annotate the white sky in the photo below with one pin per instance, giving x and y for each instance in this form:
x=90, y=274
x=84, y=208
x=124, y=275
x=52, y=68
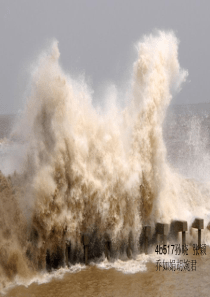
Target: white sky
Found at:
x=96, y=37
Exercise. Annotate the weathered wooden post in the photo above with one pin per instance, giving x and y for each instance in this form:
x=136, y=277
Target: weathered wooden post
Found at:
x=86, y=241
x=146, y=237
x=48, y=261
x=162, y=229
x=130, y=245
x=67, y=252
x=107, y=246
x=183, y=237
x=179, y=226
x=198, y=224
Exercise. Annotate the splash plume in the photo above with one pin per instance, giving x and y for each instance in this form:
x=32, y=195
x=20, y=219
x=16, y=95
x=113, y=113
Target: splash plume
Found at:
x=80, y=171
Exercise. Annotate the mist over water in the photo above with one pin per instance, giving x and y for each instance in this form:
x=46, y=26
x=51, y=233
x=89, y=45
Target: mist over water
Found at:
x=75, y=169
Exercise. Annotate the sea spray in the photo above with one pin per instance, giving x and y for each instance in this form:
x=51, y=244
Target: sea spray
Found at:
x=82, y=171
x=156, y=72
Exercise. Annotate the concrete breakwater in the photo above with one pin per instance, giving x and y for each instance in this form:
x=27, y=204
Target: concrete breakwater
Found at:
x=95, y=246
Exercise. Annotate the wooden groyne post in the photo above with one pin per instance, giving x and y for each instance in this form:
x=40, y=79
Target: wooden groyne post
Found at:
x=130, y=245
x=146, y=237
x=107, y=246
x=86, y=241
x=67, y=252
x=198, y=224
x=161, y=229
x=179, y=226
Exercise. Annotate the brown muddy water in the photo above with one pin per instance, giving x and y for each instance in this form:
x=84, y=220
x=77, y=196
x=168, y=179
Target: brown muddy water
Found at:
x=93, y=281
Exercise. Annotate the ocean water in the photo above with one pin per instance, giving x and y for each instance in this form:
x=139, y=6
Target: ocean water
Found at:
x=69, y=168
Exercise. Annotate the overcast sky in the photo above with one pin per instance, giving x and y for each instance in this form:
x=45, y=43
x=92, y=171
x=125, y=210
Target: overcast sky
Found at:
x=97, y=37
